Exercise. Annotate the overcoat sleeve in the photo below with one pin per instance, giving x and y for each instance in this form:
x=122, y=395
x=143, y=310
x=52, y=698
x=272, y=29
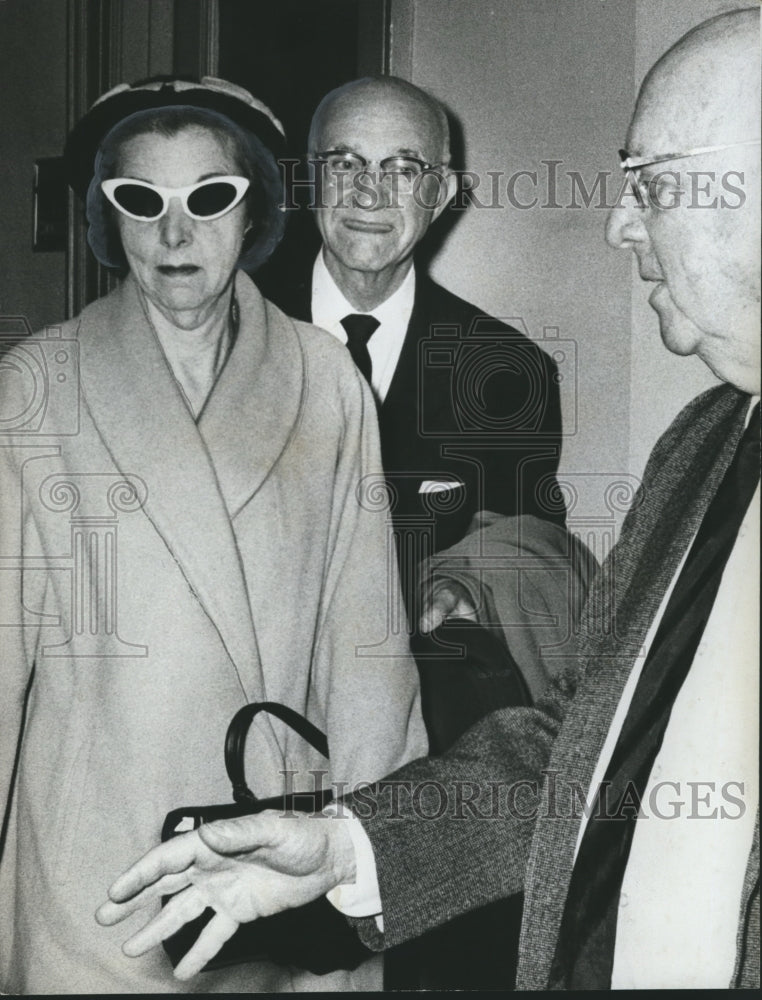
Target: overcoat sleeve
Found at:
x=453, y=833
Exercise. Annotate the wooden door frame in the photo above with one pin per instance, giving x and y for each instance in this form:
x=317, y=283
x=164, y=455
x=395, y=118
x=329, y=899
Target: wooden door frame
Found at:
x=100, y=35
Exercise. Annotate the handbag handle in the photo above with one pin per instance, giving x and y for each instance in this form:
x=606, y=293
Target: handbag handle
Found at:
x=235, y=740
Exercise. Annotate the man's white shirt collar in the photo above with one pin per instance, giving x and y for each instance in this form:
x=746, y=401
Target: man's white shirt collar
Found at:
x=330, y=306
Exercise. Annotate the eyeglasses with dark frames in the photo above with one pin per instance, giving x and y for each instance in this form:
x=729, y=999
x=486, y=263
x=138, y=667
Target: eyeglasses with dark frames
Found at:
x=344, y=162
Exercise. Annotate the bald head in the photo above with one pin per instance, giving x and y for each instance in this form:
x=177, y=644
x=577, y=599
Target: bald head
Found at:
x=372, y=219
x=697, y=119
x=705, y=90
x=385, y=98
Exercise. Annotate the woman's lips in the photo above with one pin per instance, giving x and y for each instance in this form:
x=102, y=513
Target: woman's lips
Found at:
x=177, y=270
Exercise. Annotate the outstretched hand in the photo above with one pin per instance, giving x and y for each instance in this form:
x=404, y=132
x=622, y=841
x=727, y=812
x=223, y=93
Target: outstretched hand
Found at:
x=244, y=868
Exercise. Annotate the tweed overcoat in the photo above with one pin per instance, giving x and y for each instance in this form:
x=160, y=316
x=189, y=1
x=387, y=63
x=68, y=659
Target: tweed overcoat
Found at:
x=494, y=816
x=157, y=574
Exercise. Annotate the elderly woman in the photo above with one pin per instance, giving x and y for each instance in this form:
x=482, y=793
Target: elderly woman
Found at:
x=185, y=536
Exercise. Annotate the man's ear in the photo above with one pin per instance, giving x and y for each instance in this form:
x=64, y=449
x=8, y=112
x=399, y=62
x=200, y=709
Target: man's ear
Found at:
x=448, y=187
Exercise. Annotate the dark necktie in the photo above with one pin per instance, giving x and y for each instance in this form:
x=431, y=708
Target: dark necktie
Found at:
x=584, y=956
x=360, y=327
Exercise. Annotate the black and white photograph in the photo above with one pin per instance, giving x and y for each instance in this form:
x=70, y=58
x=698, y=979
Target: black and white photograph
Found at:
x=379, y=495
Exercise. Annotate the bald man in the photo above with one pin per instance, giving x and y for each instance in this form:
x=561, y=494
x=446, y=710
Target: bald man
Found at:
x=469, y=420
x=468, y=408
x=628, y=798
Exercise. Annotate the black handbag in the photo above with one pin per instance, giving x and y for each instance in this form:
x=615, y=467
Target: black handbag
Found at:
x=316, y=936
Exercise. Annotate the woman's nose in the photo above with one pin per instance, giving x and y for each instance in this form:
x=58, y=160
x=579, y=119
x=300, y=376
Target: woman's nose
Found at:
x=175, y=227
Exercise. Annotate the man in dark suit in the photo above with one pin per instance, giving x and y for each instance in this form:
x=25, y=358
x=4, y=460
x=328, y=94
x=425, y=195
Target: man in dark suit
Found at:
x=469, y=419
x=468, y=407
x=606, y=781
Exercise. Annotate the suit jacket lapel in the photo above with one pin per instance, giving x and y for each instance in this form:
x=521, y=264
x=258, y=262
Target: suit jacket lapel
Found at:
x=400, y=403
x=412, y=385
x=683, y=475
x=147, y=428
x=402, y=391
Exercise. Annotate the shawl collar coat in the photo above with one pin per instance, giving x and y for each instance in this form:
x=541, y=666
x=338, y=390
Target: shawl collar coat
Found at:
x=430, y=872
x=174, y=570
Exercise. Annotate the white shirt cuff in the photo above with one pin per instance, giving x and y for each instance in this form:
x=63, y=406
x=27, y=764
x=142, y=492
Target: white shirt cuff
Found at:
x=360, y=898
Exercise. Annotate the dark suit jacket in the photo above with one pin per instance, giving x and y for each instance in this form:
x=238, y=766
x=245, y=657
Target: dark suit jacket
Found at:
x=430, y=872
x=471, y=401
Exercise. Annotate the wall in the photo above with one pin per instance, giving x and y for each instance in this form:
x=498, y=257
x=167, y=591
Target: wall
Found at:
x=534, y=80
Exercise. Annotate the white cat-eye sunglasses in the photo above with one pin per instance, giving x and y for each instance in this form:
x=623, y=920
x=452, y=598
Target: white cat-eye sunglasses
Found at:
x=204, y=201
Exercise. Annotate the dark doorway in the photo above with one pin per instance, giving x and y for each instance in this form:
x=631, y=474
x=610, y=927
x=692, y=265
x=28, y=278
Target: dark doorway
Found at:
x=289, y=54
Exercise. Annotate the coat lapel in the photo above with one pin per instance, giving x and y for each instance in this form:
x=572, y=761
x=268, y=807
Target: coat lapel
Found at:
x=683, y=475
x=244, y=431
x=148, y=430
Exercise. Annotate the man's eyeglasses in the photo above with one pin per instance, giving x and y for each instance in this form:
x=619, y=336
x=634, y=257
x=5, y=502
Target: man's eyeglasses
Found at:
x=204, y=201
x=340, y=162
x=632, y=164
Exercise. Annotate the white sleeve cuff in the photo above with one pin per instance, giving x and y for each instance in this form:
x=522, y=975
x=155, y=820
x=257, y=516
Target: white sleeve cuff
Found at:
x=360, y=898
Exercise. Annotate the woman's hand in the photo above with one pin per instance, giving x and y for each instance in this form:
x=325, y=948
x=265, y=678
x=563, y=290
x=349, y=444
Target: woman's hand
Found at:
x=243, y=868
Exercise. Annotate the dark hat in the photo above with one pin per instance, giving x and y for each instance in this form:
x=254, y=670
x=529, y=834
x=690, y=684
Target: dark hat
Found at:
x=209, y=93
